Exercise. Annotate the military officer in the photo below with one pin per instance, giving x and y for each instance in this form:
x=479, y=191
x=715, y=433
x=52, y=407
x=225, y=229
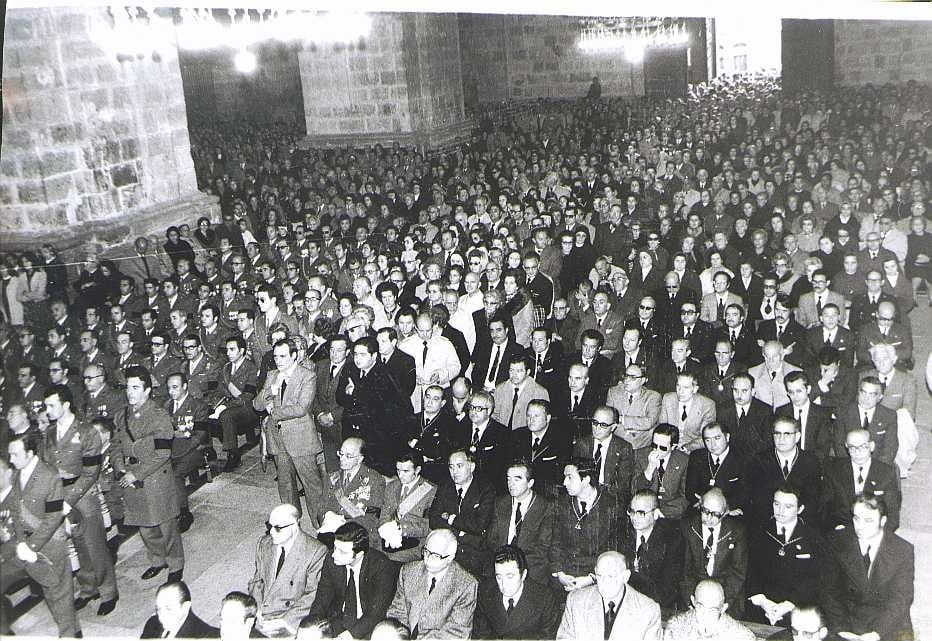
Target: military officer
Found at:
x=142, y=443
x=189, y=421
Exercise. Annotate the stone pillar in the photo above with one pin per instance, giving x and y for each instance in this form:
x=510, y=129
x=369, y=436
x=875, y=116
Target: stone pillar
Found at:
x=95, y=142
x=402, y=85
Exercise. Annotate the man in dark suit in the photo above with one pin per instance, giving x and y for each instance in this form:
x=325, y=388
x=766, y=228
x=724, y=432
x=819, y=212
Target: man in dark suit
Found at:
x=173, y=616
x=356, y=586
x=490, y=361
x=865, y=307
x=697, y=332
x=782, y=463
x=677, y=361
x=716, y=465
x=546, y=357
x=882, y=330
x=486, y=439
x=785, y=560
x=545, y=447
x=845, y=478
x=589, y=354
x=464, y=503
x=716, y=548
x=784, y=329
x=661, y=468
x=868, y=414
x=524, y=518
x=432, y=432
x=833, y=384
x=747, y=419
x=868, y=588
x=815, y=421
x=600, y=318
x=741, y=334
x=512, y=605
x=655, y=547
x=829, y=333
x=368, y=394
x=671, y=300
x=399, y=365
x=574, y=401
x=613, y=455
x=238, y=386
x=328, y=414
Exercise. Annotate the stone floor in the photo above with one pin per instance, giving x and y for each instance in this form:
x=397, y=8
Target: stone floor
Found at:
x=231, y=512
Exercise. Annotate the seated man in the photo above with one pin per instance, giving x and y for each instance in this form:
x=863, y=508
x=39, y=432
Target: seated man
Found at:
x=356, y=586
x=545, y=446
x=237, y=616
x=638, y=407
x=687, y=409
x=806, y=622
x=661, y=468
x=588, y=522
x=707, y=619
x=355, y=492
x=785, y=561
x=845, y=479
x=512, y=606
x=613, y=456
x=868, y=586
x=403, y=523
x=288, y=565
x=716, y=548
x=238, y=386
x=512, y=396
x=464, y=504
x=173, y=617
x=524, y=518
x=899, y=394
x=432, y=430
x=655, y=546
x=610, y=609
x=189, y=416
x=869, y=414
x=716, y=465
x=435, y=597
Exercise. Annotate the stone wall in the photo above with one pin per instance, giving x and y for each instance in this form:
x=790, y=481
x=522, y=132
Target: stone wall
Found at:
x=873, y=51
x=90, y=140
x=358, y=90
x=435, y=84
x=508, y=57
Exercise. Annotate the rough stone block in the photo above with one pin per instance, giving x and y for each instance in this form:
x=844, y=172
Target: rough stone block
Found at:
x=58, y=162
x=58, y=188
x=8, y=194
x=9, y=168
x=31, y=192
x=123, y=175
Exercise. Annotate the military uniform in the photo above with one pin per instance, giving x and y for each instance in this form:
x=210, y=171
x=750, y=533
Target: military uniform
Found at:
x=142, y=443
x=77, y=457
x=189, y=422
x=203, y=379
x=360, y=500
x=104, y=405
x=36, y=518
x=239, y=411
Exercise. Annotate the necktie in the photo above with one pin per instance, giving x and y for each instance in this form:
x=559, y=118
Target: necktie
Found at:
x=349, y=598
x=799, y=416
x=540, y=366
x=281, y=562
x=599, y=322
x=734, y=337
x=721, y=374
x=511, y=606
x=828, y=341
x=660, y=472
x=610, y=619
x=630, y=400
x=866, y=424
x=819, y=304
x=883, y=383
x=638, y=554
x=459, y=493
x=582, y=509
x=786, y=468
x=494, y=369
x=715, y=466
x=519, y=518
x=514, y=404
x=333, y=372
x=783, y=535
x=424, y=354
x=433, y=584
x=860, y=476
x=683, y=415
x=346, y=479
x=768, y=308
x=709, y=541
x=575, y=403
x=597, y=457
x=721, y=309
x=689, y=332
x=536, y=443
x=475, y=436
x=773, y=376
x=281, y=392
x=867, y=560
x=405, y=491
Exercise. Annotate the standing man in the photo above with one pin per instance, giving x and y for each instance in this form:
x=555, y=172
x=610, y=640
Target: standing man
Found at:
x=32, y=496
x=290, y=430
x=73, y=448
x=141, y=456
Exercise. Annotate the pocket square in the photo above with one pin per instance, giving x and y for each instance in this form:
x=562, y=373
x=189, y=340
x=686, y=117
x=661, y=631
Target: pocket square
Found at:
x=879, y=432
x=803, y=556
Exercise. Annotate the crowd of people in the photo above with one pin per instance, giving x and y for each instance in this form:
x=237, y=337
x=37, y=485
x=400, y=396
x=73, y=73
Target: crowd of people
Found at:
x=634, y=369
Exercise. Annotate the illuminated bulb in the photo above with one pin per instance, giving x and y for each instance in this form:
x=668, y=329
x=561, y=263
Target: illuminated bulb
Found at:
x=245, y=61
x=634, y=53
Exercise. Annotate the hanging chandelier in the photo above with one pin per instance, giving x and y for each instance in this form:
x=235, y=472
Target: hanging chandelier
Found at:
x=634, y=35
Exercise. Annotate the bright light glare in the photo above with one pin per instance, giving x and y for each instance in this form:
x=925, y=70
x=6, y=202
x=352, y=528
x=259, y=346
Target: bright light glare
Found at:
x=245, y=61
x=634, y=53
x=199, y=29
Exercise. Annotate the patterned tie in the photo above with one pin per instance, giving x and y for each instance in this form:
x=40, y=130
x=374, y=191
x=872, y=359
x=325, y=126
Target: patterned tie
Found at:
x=768, y=308
x=610, y=619
x=536, y=444
x=660, y=473
x=860, y=476
x=710, y=540
x=493, y=370
x=519, y=519
x=475, y=437
x=715, y=466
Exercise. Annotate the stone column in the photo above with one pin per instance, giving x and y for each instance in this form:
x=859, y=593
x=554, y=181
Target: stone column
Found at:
x=95, y=141
x=403, y=84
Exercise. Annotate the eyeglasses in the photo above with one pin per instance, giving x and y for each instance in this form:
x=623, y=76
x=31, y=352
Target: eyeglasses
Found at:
x=343, y=454
x=279, y=528
x=688, y=311
x=189, y=346
x=709, y=512
x=858, y=448
x=640, y=513
x=784, y=434
x=601, y=424
x=881, y=319
x=430, y=554
x=90, y=378
x=479, y=408
x=645, y=308
x=662, y=448
x=633, y=377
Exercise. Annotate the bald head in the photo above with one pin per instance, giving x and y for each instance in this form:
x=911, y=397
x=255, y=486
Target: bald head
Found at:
x=284, y=513
x=709, y=593
x=442, y=540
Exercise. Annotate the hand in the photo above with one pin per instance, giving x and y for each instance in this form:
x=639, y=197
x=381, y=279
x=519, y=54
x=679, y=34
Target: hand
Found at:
x=233, y=390
x=435, y=378
x=26, y=553
x=350, y=387
x=565, y=580
x=345, y=635
x=128, y=479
